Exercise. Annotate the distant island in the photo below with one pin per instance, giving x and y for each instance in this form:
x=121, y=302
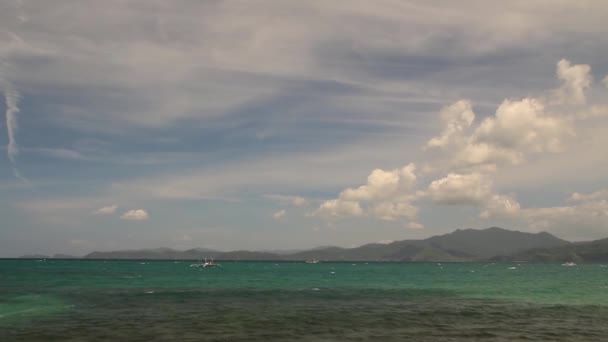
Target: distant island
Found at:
x=468, y=245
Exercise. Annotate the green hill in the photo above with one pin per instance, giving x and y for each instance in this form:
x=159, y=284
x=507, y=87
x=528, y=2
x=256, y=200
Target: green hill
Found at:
x=460, y=245
x=592, y=251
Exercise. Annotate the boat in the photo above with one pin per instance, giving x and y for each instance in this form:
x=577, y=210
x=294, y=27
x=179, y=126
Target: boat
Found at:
x=312, y=261
x=207, y=263
x=569, y=263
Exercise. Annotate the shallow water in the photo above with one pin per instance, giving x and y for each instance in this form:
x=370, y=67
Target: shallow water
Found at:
x=169, y=301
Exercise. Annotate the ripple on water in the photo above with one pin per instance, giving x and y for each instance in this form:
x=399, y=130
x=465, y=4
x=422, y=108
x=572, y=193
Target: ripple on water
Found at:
x=29, y=306
x=331, y=314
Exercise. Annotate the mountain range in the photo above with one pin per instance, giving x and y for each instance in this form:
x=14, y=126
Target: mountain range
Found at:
x=491, y=244
x=591, y=251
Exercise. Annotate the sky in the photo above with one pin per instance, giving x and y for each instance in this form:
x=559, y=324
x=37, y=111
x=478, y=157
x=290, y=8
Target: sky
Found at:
x=267, y=125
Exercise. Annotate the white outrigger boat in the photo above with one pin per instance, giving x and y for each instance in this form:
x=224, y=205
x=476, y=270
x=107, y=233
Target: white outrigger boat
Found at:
x=207, y=263
x=312, y=261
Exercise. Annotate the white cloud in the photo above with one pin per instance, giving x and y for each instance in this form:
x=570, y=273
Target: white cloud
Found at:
x=518, y=129
x=279, y=214
x=106, y=210
x=576, y=80
x=299, y=201
x=605, y=81
x=472, y=189
x=387, y=196
x=460, y=189
x=456, y=119
x=11, y=98
x=135, y=215
x=523, y=127
x=382, y=185
x=337, y=207
x=597, y=195
x=500, y=206
x=414, y=225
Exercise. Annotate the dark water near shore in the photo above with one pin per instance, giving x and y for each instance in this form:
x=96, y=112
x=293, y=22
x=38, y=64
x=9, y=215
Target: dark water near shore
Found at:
x=165, y=301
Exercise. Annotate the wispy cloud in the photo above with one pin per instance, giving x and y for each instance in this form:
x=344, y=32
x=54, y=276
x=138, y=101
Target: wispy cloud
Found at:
x=297, y=201
x=190, y=109
x=11, y=99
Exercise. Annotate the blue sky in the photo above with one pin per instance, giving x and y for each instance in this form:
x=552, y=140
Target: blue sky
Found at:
x=290, y=124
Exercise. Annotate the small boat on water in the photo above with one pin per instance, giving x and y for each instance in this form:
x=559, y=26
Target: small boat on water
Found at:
x=312, y=261
x=569, y=263
x=207, y=263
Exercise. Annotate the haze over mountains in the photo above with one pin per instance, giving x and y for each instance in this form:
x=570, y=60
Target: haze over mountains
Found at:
x=459, y=246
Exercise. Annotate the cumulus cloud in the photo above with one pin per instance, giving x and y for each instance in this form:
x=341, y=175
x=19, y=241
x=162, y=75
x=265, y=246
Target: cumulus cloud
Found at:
x=470, y=153
x=518, y=128
x=456, y=120
x=460, y=189
x=111, y=209
x=500, y=206
x=472, y=189
x=279, y=214
x=523, y=127
x=338, y=207
x=387, y=196
x=576, y=80
x=135, y=215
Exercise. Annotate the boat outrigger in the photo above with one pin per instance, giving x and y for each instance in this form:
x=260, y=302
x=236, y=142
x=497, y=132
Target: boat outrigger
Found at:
x=207, y=263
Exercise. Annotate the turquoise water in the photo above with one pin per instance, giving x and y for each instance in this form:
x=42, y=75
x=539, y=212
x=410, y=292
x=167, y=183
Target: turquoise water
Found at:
x=73, y=300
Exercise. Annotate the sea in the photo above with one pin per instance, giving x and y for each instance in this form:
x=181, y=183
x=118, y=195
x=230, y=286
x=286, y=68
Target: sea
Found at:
x=92, y=300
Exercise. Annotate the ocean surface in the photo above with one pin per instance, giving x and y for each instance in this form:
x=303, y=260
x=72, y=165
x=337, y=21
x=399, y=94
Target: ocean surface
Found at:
x=76, y=300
